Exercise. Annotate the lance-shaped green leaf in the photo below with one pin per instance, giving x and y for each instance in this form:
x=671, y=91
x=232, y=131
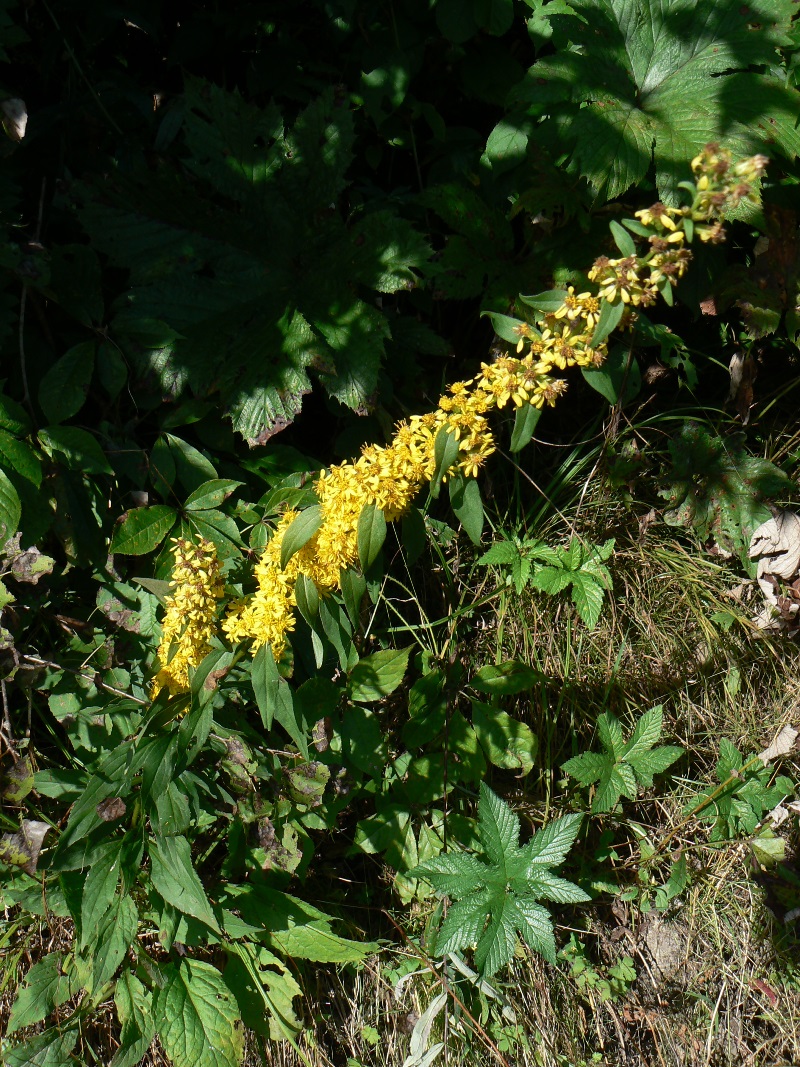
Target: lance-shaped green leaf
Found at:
x=175, y=878
x=371, y=535
x=300, y=532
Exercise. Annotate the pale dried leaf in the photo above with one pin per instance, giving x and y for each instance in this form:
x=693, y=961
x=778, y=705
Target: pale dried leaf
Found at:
x=782, y=744
x=776, y=546
x=14, y=117
x=779, y=815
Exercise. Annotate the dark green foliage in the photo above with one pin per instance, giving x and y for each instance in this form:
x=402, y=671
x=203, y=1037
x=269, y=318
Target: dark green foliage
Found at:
x=636, y=80
x=718, y=489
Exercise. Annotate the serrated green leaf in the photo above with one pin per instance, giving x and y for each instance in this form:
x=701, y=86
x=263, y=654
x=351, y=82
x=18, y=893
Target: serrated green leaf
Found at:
x=43, y=990
x=99, y=891
x=609, y=732
x=134, y=1011
x=503, y=552
x=645, y=76
x=647, y=764
x=454, y=875
x=498, y=826
x=142, y=530
x=587, y=596
x=587, y=767
x=114, y=935
x=465, y=922
x=717, y=488
x=53, y=1048
x=548, y=886
x=551, y=580
x=496, y=946
x=371, y=534
x=549, y=846
x=378, y=675
x=175, y=878
x=197, y=1017
x=536, y=927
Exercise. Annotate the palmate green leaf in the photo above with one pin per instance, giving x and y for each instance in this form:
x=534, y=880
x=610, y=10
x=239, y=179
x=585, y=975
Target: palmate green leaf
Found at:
x=717, y=489
x=623, y=766
x=236, y=246
x=502, y=892
x=197, y=1017
x=663, y=77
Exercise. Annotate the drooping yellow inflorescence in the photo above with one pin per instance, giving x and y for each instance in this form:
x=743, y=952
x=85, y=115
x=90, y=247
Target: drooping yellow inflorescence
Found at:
x=390, y=477
x=190, y=619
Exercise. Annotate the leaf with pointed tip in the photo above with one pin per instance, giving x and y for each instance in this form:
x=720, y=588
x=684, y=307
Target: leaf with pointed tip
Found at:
x=534, y=923
x=498, y=826
x=496, y=946
x=454, y=874
x=610, y=733
x=550, y=845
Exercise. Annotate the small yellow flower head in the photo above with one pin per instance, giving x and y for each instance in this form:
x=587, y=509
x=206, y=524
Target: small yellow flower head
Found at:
x=722, y=186
x=190, y=618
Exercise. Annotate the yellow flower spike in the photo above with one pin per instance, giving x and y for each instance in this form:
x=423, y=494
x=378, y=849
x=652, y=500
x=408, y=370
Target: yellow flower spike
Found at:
x=191, y=615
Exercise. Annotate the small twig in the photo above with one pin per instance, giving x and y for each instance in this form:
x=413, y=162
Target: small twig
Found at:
x=38, y=662
x=6, y=733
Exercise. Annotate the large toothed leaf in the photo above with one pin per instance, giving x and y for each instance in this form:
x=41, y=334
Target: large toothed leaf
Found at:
x=641, y=79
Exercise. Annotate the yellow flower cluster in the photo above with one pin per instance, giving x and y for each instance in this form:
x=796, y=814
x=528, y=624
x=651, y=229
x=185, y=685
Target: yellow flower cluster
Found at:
x=190, y=618
x=268, y=615
x=723, y=185
x=390, y=477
